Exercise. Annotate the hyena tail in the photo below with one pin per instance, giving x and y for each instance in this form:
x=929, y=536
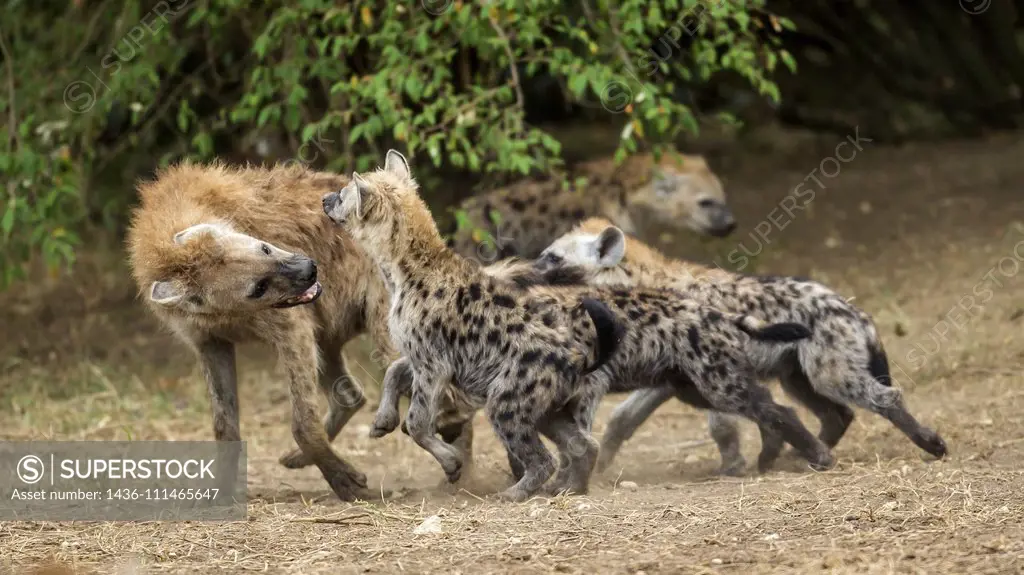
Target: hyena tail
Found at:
x=609, y=331
x=878, y=364
x=784, y=332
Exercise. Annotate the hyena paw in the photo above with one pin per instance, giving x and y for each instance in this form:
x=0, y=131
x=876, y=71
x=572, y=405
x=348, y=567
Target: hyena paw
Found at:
x=823, y=462
x=295, y=459
x=349, y=485
x=384, y=423
x=934, y=444
x=733, y=468
x=512, y=495
x=557, y=488
x=453, y=471
x=459, y=476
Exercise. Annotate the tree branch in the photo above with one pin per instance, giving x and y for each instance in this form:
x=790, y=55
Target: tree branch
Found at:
x=520, y=100
x=168, y=99
x=614, y=22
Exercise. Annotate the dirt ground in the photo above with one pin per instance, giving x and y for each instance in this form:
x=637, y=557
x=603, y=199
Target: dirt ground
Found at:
x=911, y=233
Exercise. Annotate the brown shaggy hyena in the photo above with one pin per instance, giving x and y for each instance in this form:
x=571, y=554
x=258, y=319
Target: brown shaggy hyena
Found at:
x=541, y=358
x=525, y=217
x=229, y=255
x=843, y=363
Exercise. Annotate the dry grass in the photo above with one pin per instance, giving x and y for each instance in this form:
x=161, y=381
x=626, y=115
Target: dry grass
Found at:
x=884, y=509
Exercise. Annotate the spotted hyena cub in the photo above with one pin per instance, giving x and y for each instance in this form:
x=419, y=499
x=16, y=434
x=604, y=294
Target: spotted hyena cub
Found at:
x=525, y=217
x=539, y=359
x=842, y=363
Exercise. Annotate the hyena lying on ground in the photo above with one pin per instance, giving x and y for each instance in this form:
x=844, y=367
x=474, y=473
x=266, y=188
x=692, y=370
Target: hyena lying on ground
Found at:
x=842, y=363
x=540, y=359
x=223, y=256
x=678, y=190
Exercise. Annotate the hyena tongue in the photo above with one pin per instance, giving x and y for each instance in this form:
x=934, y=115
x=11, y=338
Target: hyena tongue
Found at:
x=311, y=293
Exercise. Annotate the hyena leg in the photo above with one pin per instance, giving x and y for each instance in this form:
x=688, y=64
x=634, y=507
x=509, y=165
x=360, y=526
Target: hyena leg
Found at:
x=517, y=429
x=627, y=417
x=577, y=452
x=569, y=428
x=344, y=398
x=299, y=355
x=777, y=421
x=515, y=467
x=397, y=383
x=460, y=437
x=217, y=362
x=419, y=422
x=835, y=417
x=726, y=433
x=888, y=402
x=772, y=444
x=723, y=426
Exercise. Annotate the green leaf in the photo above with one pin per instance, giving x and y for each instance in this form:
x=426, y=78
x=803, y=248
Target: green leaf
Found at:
x=461, y=220
x=309, y=132
x=413, y=87
x=788, y=60
x=495, y=217
x=578, y=85
x=203, y=143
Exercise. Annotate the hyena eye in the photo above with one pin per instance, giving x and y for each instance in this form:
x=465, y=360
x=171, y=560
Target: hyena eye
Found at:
x=259, y=289
x=195, y=300
x=266, y=249
x=706, y=203
x=552, y=258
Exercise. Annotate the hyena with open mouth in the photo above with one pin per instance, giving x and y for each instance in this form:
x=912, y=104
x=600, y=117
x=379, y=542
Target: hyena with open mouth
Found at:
x=224, y=256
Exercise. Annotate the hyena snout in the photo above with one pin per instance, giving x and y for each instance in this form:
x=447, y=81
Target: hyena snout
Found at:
x=330, y=201
x=301, y=273
x=722, y=222
x=300, y=270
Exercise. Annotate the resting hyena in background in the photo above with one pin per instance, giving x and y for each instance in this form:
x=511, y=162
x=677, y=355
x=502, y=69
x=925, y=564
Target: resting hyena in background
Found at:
x=541, y=358
x=678, y=190
x=842, y=363
x=225, y=256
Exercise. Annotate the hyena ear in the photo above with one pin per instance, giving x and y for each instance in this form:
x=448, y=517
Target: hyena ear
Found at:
x=363, y=190
x=396, y=165
x=610, y=246
x=165, y=293
x=187, y=234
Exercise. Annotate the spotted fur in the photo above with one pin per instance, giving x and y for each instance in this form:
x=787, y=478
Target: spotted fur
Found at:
x=525, y=217
x=525, y=354
x=843, y=363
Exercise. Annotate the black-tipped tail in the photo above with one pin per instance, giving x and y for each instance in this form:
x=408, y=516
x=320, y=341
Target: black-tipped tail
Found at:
x=878, y=365
x=784, y=332
x=609, y=331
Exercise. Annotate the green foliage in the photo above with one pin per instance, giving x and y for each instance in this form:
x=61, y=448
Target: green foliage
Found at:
x=39, y=203
x=340, y=83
